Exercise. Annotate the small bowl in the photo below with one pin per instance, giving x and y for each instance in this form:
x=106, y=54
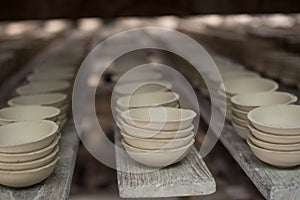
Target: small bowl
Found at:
x=137, y=76
x=155, y=144
x=276, y=119
x=239, y=114
x=272, y=146
x=143, y=133
x=41, y=87
x=277, y=139
x=27, y=136
x=248, y=85
x=29, y=156
x=247, y=102
x=168, y=99
x=31, y=164
x=47, y=76
x=159, y=118
x=239, y=121
x=241, y=131
x=276, y=158
x=141, y=87
x=25, y=178
x=54, y=99
x=157, y=158
x=28, y=113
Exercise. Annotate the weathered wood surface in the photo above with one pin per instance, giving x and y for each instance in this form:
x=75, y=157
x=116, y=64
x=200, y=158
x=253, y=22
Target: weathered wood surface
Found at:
x=273, y=183
x=56, y=186
x=190, y=177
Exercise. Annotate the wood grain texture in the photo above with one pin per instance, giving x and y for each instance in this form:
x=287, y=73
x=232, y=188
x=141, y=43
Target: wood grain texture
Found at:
x=56, y=186
x=189, y=177
x=273, y=183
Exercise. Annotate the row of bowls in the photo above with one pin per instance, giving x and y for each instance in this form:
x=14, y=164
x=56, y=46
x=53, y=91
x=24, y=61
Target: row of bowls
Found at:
x=39, y=112
x=155, y=131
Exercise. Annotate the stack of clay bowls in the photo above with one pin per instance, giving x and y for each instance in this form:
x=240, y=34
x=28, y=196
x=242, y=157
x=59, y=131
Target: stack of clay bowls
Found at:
x=246, y=85
x=242, y=104
x=28, y=151
x=275, y=134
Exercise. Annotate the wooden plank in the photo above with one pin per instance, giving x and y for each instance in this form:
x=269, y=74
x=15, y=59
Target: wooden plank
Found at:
x=190, y=177
x=273, y=183
x=56, y=186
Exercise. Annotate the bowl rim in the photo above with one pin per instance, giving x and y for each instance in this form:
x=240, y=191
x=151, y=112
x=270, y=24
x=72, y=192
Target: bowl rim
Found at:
x=118, y=88
x=252, y=137
x=125, y=114
x=52, y=132
x=60, y=98
x=238, y=126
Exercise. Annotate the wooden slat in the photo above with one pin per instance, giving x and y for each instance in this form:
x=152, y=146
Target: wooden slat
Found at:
x=190, y=177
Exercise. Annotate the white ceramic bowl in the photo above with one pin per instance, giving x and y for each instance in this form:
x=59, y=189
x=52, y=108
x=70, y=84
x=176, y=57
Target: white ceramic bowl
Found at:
x=25, y=178
x=155, y=144
x=276, y=119
x=158, y=158
x=27, y=113
x=26, y=136
x=276, y=158
x=29, y=156
x=273, y=146
x=54, y=99
x=239, y=121
x=41, y=87
x=247, y=102
x=143, y=133
x=30, y=164
x=241, y=131
x=137, y=76
x=271, y=138
x=36, y=77
x=168, y=99
x=248, y=85
x=159, y=118
x=239, y=113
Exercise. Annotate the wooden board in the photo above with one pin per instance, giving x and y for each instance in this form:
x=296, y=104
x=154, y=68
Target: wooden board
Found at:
x=273, y=183
x=190, y=177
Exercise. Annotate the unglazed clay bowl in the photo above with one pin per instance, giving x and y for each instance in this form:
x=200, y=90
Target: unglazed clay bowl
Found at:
x=159, y=118
x=53, y=99
x=41, y=87
x=36, y=77
x=168, y=99
x=29, y=156
x=30, y=164
x=26, y=136
x=28, y=113
x=241, y=131
x=239, y=113
x=276, y=158
x=248, y=85
x=271, y=138
x=144, y=133
x=239, y=121
x=138, y=76
x=158, y=158
x=25, y=178
x=273, y=146
x=247, y=102
x=127, y=89
x=276, y=119
x=152, y=143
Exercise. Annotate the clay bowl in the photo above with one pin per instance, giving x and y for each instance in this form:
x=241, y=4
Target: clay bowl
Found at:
x=239, y=121
x=141, y=87
x=276, y=119
x=137, y=76
x=25, y=178
x=144, y=133
x=241, y=131
x=41, y=87
x=247, y=102
x=248, y=85
x=28, y=113
x=27, y=136
x=47, y=76
x=168, y=99
x=276, y=158
x=152, y=144
x=277, y=139
x=54, y=99
x=30, y=164
x=158, y=158
x=273, y=146
x=54, y=70
x=159, y=118
x=239, y=114
x=29, y=156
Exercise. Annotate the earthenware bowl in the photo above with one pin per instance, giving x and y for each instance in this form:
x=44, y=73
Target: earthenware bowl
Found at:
x=239, y=114
x=138, y=76
x=241, y=131
x=37, y=77
x=41, y=87
x=239, y=121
